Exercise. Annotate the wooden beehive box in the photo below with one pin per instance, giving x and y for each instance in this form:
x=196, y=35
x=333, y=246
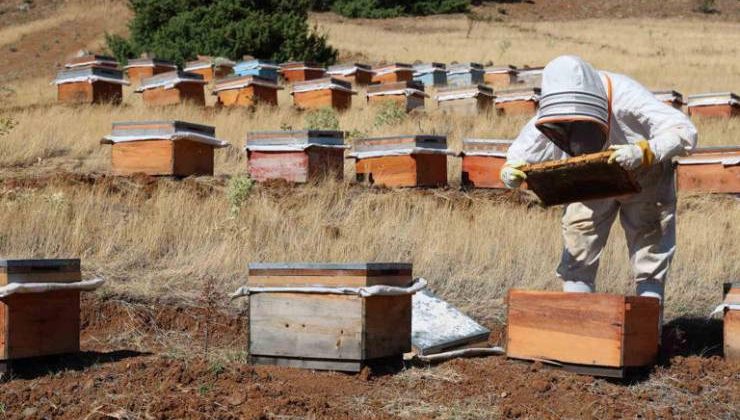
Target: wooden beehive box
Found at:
x=732, y=321
x=92, y=60
x=210, y=68
x=173, y=88
x=710, y=170
x=245, y=91
x=519, y=101
x=402, y=161
x=466, y=100
x=597, y=333
x=482, y=160
x=407, y=95
x=580, y=178
x=143, y=68
x=300, y=71
x=530, y=76
x=261, y=68
x=722, y=105
x=391, y=73
x=328, y=331
x=500, y=77
x=430, y=74
x=90, y=85
x=323, y=93
x=295, y=156
x=670, y=97
x=356, y=73
x=162, y=148
x=464, y=74
x=39, y=324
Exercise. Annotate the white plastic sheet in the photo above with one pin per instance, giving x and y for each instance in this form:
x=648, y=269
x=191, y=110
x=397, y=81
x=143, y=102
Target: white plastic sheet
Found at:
x=290, y=147
x=91, y=79
x=85, y=285
x=401, y=152
x=180, y=135
x=417, y=285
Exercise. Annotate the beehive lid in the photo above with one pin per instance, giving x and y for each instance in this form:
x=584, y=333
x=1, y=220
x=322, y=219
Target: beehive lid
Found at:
x=256, y=64
x=329, y=274
x=463, y=92
x=429, y=66
x=718, y=98
x=169, y=80
x=463, y=67
x=300, y=65
x=389, y=68
x=321, y=84
x=578, y=179
x=29, y=266
x=207, y=62
x=128, y=131
x=345, y=68
x=90, y=74
x=294, y=138
x=518, y=94
x=725, y=155
x=239, y=82
x=668, y=95
x=501, y=69
x=92, y=59
x=395, y=88
x=486, y=147
x=149, y=62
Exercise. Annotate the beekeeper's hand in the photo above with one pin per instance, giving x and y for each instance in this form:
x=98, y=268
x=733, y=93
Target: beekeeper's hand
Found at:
x=632, y=156
x=511, y=176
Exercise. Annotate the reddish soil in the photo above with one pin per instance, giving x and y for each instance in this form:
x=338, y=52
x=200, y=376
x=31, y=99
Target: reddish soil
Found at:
x=133, y=365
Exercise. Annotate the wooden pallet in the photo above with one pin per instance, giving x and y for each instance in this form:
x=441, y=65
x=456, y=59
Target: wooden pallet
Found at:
x=581, y=178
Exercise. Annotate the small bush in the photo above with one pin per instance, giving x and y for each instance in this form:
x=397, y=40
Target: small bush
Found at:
x=6, y=124
x=238, y=192
x=381, y=9
x=322, y=119
x=389, y=114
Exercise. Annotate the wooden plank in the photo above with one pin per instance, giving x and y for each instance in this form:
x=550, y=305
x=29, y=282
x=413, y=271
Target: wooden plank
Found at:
x=708, y=178
x=314, y=364
x=306, y=325
x=329, y=281
x=192, y=158
x=732, y=335
x=288, y=166
x=152, y=157
x=641, y=338
x=387, y=326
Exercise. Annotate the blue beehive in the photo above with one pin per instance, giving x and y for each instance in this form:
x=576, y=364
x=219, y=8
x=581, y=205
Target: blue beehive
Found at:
x=430, y=74
x=464, y=74
x=262, y=68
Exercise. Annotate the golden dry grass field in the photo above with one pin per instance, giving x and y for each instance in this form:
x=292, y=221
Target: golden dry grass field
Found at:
x=165, y=239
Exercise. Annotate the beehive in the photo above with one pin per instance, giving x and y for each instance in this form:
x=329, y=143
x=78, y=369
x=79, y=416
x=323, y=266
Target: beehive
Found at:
x=430, y=74
x=299, y=71
x=710, y=170
x=39, y=324
x=357, y=73
x=598, y=334
x=402, y=161
x=466, y=100
x=328, y=331
x=211, y=68
x=518, y=101
x=732, y=321
x=261, y=68
x=245, y=91
x=723, y=105
x=92, y=60
x=173, y=88
x=482, y=160
x=144, y=68
x=670, y=97
x=407, y=95
x=162, y=148
x=463, y=74
x=391, y=73
x=295, y=156
x=530, y=76
x=500, y=77
x=322, y=93
x=90, y=85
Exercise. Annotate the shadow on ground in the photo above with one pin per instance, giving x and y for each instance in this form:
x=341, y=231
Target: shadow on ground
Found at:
x=37, y=367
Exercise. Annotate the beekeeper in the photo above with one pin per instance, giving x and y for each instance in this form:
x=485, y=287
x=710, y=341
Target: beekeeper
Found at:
x=586, y=111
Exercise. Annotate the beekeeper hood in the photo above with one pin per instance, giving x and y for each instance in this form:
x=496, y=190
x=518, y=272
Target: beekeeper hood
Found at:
x=574, y=110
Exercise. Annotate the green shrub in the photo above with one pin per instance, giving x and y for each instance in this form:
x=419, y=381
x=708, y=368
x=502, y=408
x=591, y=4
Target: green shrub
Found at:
x=380, y=9
x=238, y=192
x=178, y=30
x=322, y=119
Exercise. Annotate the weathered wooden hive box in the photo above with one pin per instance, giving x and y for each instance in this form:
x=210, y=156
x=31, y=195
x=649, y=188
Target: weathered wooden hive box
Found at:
x=732, y=321
x=211, y=68
x=407, y=95
x=90, y=85
x=430, y=74
x=144, y=68
x=482, y=160
x=323, y=93
x=245, y=91
x=518, y=101
x=173, y=88
x=670, y=97
x=710, y=170
x=92, y=60
x=463, y=74
x=500, y=77
x=295, y=156
x=599, y=334
x=39, y=324
x=466, y=100
x=300, y=71
x=723, y=105
x=326, y=331
x=255, y=67
x=402, y=161
x=391, y=73
x=162, y=148
x=530, y=76
x=356, y=73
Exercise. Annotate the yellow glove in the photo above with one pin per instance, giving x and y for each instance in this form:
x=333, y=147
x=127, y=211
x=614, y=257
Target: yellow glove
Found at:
x=511, y=176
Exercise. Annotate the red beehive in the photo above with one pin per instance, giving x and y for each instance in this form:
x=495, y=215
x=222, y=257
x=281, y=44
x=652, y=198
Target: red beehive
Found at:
x=300, y=71
x=723, y=105
x=407, y=95
x=397, y=72
x=245, y=91
x=520, y=101
x=323, y=93
x=710, y=170
x=90, y=85
x=173, y=88
x=482, y=160
x=144, y=68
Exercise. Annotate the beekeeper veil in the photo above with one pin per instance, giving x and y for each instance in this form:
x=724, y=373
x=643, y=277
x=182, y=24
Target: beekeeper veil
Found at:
x=574, y=110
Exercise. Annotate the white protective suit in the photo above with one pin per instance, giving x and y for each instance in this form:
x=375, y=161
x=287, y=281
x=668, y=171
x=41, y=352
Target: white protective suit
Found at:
x=573, y=90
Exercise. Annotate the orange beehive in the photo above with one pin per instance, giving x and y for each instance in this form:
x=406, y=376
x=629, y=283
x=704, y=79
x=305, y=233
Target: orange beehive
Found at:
x=732, y=321
x=710, y=170
x=670, y=97
x=358, y=74
x=323, y=93
x=466, y=100
x=144, y=68
x=722, y=105
x=300, y=71
x=245, y=91
x=173, y=88
x=500, y=77
x=397, y=72
x=407, y=95
x=402, y=161
x=520, y=101
x=210, y=68
x=90, y=85
x=482, y=160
